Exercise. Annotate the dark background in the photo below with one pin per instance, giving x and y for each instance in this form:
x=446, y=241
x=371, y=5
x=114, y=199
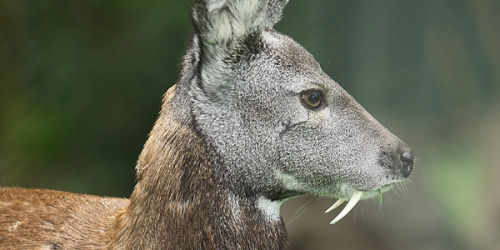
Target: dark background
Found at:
x=81, y=84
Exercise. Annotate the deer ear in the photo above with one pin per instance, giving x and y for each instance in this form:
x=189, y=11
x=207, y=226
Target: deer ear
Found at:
x=274, y=11
x=220, y=22
x=227, y=31
x=223, y=21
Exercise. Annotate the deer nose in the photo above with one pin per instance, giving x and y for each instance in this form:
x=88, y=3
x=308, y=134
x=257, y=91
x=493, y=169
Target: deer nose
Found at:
x=407, y=163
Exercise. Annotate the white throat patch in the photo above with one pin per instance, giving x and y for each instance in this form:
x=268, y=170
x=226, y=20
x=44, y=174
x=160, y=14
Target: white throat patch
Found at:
x=270, y=209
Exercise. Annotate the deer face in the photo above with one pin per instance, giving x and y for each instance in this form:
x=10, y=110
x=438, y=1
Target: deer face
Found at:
x=277, y=123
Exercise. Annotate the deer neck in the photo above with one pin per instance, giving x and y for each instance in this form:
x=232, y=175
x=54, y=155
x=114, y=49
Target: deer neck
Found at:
x=181, y=201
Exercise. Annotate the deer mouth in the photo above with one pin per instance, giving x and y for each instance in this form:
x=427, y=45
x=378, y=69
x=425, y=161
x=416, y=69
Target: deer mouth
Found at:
x=355, y=198
x=350, y=205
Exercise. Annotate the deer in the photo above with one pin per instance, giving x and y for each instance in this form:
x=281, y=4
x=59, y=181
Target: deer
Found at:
x=252, y=122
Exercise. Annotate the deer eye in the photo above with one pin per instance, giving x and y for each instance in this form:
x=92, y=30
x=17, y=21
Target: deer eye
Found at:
x=312, y=98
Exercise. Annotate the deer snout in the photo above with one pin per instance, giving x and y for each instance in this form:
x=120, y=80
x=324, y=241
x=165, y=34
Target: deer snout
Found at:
x=406, y=163
x=399, y=160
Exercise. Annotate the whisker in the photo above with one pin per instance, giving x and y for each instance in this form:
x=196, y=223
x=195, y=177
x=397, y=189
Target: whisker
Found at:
x=301, y=209
x=397, y=190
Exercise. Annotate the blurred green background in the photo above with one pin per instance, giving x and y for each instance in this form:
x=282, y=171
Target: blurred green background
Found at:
x=81, y=84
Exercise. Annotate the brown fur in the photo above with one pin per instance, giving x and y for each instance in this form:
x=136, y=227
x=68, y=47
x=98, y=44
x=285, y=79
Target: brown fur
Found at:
x=46, y=219
x=177, y=203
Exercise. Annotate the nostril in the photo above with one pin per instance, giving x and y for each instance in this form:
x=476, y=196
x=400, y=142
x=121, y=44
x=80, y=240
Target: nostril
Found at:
x=407, y=163
x=407, y=157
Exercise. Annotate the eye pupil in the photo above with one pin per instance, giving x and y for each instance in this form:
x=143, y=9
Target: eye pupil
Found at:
x=312, y=98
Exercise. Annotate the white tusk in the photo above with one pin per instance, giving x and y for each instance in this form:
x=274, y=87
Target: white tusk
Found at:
x=338, y=203
x=352, y=202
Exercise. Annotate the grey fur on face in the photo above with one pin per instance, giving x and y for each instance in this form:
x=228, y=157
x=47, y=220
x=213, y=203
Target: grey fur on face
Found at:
x=246, y=102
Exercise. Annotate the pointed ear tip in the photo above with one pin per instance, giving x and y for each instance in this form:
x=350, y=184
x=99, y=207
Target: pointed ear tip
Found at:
x=275, y=11
x=223, y=20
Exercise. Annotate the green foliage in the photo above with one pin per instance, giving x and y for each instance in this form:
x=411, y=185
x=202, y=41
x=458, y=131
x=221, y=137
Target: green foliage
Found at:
x=380, y=197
